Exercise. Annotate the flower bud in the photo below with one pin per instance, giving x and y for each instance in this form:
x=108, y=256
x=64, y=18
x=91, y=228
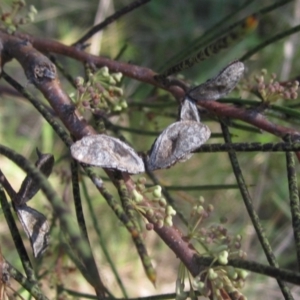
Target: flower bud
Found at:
x=201, y=200
x=117, y=76
x=242, y=273
x=142, y=180
x=123, y=104
x=170, y=211
x=104, y=72
x=162, y=202
x=157, y=191
x=223, y=257
x=136, y=196
x=117, y=108
x=168, y=221
x=210, y=208
x=160, y=223
x=212, y=275
x=200, y=210
x=231, y=272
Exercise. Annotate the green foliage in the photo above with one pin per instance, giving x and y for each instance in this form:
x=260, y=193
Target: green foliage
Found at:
x=158, y=35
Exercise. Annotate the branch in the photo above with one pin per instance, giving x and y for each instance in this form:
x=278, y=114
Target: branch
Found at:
x=147, y=75
x=260, y=232
x=31, y=60
x=109, y=20
x=43, y=74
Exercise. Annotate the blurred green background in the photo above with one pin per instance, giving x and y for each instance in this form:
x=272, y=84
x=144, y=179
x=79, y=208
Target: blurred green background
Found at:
x=152, y=35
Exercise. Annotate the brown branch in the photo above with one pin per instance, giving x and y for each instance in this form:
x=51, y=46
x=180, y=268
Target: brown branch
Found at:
x=183, y=250
x=7, y=186
x=133, y=71
x=147, y=75
x=249, y=116
x=42, y=73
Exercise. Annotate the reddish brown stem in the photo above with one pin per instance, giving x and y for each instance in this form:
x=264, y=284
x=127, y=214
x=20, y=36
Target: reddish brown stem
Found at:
x=42, y=73
x=147, y=75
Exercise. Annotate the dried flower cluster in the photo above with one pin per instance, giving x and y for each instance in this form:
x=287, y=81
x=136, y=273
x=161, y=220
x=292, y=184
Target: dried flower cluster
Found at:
x=159, y=212
x=11, y=20
x=215, y=241
x=100, y=92
x=268, y=89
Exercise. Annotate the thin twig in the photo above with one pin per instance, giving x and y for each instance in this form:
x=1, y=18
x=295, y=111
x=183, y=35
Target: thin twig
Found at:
x=78, y=201
x=102, y=242
x=252, y=214
x=253, y=266
x=139, y=73
x=209, y=187
x=32, y=287
x=289, y=112
x=234, y=34
x=60, y=101
x=171, y=236
x=270, y=41
x=208, y=36
x=15, y=233
x=109, y=20
x=250, y=147
x=41, y=109
x=294, y=200
x=63, y=214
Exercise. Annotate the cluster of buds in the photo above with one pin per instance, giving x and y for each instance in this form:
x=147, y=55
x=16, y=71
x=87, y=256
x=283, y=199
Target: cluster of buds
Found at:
x=220, y=281
x=11, y=19
x=270, y=90
x=217, y=281
x=157, y=209
x=100, y=92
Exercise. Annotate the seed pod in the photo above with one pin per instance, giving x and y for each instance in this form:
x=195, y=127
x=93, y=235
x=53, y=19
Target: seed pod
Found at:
x=29, y=187
x=220, y=85
x=176, y=143
x=189, y=111
x=33, y=222
x=35, y=226
x=107, y=152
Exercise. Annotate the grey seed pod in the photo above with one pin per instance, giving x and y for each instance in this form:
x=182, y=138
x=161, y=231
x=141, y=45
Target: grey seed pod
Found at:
x=29, y=187
x=176, y=143
x=35, y=226
x=189, y=111
x=220, y=85
x=107, y=152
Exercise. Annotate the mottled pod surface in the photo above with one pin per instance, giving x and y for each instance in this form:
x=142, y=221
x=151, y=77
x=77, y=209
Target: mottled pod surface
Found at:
x=220, y=85
x=36, y=228
x=189, y=111
x=176, y=142
x=107, y=152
